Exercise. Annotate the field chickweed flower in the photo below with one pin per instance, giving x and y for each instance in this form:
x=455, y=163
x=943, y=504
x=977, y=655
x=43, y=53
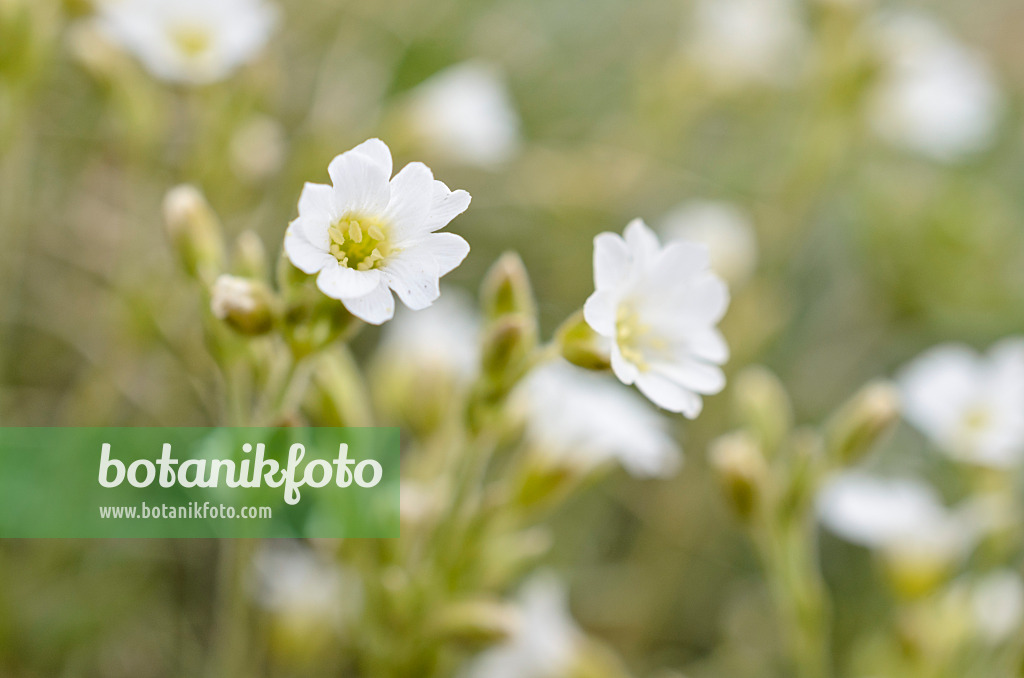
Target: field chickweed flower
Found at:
x=998, y=605
x=189, y=41
x=465, y=113
x=904, y=519
x=936, y=96
x=366, y=236
x=577, y=418
x=658, y=306
x=442, y=339
x=724, y=228
x=971, y=406
x=291, y=582
x=546, y=642
x=747, y=41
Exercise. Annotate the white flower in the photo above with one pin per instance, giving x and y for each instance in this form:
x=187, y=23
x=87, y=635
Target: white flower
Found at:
x=580, y=419
x=546, y=643
x=366, y=236
x=442, y=339
x=901, y=516
x=465, y=113
x=747, y=41
x=936, y=96
x=971, y=406
x=189, y=41
x=291, y=581
x=998, y=605
x=658, y=306
x=724, y=228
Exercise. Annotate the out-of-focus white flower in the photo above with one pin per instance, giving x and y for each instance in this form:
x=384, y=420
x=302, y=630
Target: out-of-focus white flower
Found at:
x=901, y=517
x=998, y=605
x=724, y=228
x=579, y=419
x=365, y=236
x=659, y=306
x=302, y=590
x=971, y=406
x=442, y=339
x=936, y=96
x=189, y=41
x=466, y=114
x=737, y=42
x=546, y=643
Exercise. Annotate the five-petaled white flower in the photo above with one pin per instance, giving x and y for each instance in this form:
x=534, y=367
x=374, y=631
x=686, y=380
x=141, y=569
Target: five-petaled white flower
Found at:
x=726, y=230
x=547, y=642
x=304, y=590
x=189, y=41
x=366, y=236
x=580, y=419
x=466, y=113
x=936, y=96
x=738, y=42
x=971, y=406
x=658, y=306
x=902, y=517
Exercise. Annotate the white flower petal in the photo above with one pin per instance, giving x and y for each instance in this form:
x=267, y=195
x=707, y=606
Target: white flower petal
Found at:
x=414, y=277
x=360, y=184
x=706, y=301
x=303, y=254
x=446, y=205
x=448, y=250
x=642, y=241
x=694, y=375
x=316, y=202
x=375, y=308
x=599, y=311
x=709, y=345
x=412, y=196
x=625, y=371
x=669, y=395
x=611, y=260
x=341, y=282
x=377, y=152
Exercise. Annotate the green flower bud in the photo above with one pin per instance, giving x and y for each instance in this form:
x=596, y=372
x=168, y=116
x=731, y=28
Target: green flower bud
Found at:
x=581, y=345
x=250, y=256
x=508, y=347
x=763, y=406
x=506, y=289
x=862, y=422
x=246, y=305
x=195, y=232
x=742, y=471
x=477, y=622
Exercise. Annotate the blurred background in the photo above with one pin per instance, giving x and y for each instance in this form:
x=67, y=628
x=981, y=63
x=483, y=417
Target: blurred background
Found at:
x=860, y=164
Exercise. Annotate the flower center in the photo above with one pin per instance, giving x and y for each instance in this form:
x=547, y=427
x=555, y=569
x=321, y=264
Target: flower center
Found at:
x=635, y=338
x=977, y=419
x=359, y=242
x=191, y=40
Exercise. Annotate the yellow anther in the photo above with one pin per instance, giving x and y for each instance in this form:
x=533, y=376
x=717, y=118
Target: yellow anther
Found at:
x=355, y=232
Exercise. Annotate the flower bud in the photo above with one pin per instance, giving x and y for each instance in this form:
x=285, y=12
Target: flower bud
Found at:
x=195, y=232
x=250, y=256
x=581, y=345
x=244, y=304
x=506, y=289
x=763, y=406
x=862, y=422
x=742, y=471
x=477, y=622
x=507, y=348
